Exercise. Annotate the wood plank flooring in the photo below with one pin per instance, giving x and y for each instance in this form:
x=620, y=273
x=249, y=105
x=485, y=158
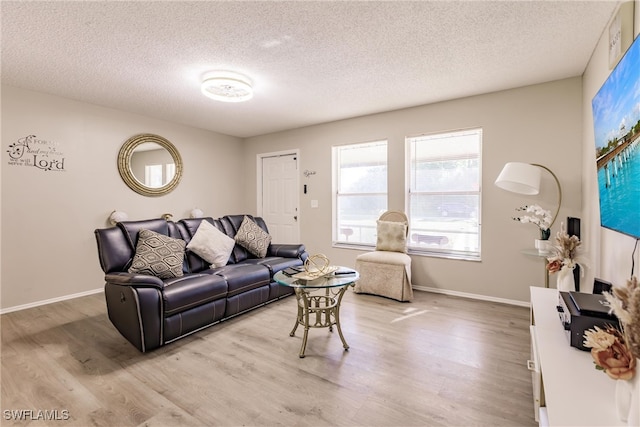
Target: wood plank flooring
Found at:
x=437, y=361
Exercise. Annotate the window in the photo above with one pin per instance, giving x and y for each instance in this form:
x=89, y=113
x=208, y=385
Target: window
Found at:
x=153, y=176
x=360, y=191
x=444, y=193
x=170, y=171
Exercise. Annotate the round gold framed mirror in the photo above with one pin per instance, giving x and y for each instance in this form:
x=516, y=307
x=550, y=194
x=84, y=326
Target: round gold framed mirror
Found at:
x=150, y=165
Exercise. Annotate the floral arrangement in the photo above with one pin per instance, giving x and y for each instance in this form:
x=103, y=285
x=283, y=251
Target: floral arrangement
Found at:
x=614, y=351
x=610, y=352
x=537, y=216
x=567, y=253
x=625, y=304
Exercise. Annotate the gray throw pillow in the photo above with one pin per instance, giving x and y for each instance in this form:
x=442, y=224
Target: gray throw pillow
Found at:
x=158, y=255
x=253, y=238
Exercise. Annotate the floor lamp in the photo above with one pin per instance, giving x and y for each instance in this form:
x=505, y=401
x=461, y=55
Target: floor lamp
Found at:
x=524, y=178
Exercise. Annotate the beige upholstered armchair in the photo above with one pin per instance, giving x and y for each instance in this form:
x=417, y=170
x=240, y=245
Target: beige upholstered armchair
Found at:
x=387, y=270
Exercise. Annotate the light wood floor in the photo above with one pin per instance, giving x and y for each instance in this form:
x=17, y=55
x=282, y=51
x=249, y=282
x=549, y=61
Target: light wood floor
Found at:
x=438, y=361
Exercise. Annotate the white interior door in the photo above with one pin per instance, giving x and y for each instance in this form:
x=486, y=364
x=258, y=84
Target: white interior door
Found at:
x=280, y=197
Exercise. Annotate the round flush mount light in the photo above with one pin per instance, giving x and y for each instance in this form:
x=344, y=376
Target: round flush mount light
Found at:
x=227, y=86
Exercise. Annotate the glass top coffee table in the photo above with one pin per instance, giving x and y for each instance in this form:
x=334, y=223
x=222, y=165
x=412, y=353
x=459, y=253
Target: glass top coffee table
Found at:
x=323, y=309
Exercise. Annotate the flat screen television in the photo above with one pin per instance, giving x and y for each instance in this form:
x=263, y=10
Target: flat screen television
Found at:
x=616, y=121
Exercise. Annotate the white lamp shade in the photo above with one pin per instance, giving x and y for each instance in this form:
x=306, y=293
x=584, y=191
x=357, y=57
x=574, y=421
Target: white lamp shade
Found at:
x=521, y=178
x=117, y=216
x=196, y=213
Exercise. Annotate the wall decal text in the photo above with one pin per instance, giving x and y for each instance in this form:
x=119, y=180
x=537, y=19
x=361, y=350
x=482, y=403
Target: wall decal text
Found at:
x=38, y=153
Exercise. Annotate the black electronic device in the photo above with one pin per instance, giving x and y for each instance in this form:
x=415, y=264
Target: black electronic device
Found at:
x=573, y=226
x=601, y=286
x=579, y=312
x=290, y=271
x=573, y=229
x=591, y=305
x=343, y=271
x=615, y=138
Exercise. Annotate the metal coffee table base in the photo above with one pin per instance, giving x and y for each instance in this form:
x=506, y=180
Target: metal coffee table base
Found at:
x=319, y=311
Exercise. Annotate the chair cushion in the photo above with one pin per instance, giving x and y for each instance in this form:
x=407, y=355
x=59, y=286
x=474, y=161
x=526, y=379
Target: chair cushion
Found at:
x=274, y=263
x=392, y=236
x=158, y=255
x=386, y=274
x=211, y=244
x=253, y=238
x=243, y=277
x=385, y=257
x=192, y=290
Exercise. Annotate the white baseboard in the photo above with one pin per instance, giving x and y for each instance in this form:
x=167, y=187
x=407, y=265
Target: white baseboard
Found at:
x=471, y=296
x=415, y=287
x=50, y=301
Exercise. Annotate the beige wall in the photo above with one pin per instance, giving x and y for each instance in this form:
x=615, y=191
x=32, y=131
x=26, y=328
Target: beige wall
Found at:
x=48, y=218
x=48, y=249
x=609, y=252
x=539, y=124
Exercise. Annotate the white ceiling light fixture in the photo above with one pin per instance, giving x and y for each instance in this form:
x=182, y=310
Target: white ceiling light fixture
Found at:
x=227, y=86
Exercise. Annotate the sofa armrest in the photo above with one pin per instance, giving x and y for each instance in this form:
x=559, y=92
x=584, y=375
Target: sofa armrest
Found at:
x=286, y=250
x=132, y=279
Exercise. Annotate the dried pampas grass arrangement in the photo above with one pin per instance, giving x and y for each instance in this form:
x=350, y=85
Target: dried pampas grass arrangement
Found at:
x=625, y=304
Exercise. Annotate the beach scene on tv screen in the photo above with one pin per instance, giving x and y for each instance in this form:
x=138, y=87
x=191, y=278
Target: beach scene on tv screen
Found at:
x=616, y=120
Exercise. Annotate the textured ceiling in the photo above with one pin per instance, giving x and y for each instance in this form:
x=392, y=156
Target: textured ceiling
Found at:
x=311, y=62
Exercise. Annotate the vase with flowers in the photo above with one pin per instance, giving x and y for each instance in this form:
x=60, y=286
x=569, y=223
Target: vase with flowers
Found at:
x=541, y=218
x=566, y=255
x=617, y=351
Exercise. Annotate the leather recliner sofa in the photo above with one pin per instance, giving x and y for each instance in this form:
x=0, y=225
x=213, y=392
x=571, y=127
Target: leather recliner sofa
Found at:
x=151, y=312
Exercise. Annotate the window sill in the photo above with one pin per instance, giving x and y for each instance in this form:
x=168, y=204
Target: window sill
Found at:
x=445, y=255
x=353, y=246
x=414, y=252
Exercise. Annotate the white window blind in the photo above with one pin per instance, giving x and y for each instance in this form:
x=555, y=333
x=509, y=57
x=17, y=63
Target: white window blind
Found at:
x=444, y=193
x=153, y=176
x=360, y=191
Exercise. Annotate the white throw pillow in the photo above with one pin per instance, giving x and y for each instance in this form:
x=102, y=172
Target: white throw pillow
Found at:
x=392, y=236
x=211, y=244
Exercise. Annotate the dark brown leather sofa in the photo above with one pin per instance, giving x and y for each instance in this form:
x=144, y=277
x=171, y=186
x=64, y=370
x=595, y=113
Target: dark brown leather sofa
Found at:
x=151, y=312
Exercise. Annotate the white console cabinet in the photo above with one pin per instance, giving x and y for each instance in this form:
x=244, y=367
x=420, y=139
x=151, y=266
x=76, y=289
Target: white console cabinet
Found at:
x=567, y=389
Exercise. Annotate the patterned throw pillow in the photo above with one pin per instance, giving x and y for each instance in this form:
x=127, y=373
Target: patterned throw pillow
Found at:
x=211, y=244
x=158, y=255
x=392, y=236
x=253, y=238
